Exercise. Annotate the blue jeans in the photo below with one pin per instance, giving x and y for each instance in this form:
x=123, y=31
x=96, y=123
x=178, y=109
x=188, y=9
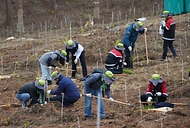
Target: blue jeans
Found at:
x=46, y=72
x=88, y=102
x=168, y=43
x=24, y=97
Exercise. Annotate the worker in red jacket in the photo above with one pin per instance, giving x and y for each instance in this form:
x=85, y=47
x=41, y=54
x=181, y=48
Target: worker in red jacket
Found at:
x=168, y=26
x=156, y=90
x=114, y=61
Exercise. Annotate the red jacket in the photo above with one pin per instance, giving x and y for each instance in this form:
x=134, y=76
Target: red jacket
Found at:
x=161, y=87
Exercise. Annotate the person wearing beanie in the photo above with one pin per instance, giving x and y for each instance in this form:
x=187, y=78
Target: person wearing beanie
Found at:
x=34, y=91
x=92, y=86
x=77, y=52
x=49, y=60
x=156, y=91
x=114, y=60
x=67, y=92
x=129, y=40
x=168, y=26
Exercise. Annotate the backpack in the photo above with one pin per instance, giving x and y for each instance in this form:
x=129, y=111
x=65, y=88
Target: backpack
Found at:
x=98, y=70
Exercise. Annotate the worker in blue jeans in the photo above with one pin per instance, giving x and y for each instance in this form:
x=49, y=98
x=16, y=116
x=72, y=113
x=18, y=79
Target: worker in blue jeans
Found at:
x=92, y=86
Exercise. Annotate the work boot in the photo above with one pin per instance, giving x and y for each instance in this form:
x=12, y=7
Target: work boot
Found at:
x=87, y=118
x=104, y=117
x=161, y=59
x=49, y=82
x=175, y=58
x=83, y=79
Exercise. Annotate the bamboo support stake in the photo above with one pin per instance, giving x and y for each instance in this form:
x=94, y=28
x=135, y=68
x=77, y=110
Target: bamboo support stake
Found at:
x=67, y=66
x=146, y=48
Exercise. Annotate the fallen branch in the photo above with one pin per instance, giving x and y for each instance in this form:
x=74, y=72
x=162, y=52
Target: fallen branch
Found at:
x=10, y=105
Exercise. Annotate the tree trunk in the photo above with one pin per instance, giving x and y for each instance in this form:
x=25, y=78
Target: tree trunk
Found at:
x=20, y=17
x=8, y=13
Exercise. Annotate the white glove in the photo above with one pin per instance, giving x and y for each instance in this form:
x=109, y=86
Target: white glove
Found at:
x=124, y=64
x=41, y=104
x=111, y=99
x=76, y=60
x=89, y=94
x=56, y=67
x=163, y=23
x=145, y=29
x=67, y=63
x=149, y=99
x=48, y=92
x=130, y=48
x=49, y=67
x=45, y=102
x=158, y=93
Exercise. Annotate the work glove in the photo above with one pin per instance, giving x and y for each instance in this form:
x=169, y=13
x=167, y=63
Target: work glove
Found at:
x=130, y=48
x=163, y=23
x=57, y=67
x=145, y=29
x=149, y=99
x=48, y=92
x=41, y=104
x=111, y=99
x=89, y=94
x=49, y=67
x=76, y=60
x=67, y=63
x=158, y=94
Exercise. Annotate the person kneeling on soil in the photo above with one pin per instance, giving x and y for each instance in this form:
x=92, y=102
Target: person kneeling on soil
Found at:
x=156, y=91
x=66, y=86
x=34, y=91
x=114, y=61
x=92, y=86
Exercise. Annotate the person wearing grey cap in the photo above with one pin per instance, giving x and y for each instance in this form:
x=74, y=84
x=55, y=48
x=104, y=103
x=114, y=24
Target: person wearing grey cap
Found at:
x=49, y=60
x=34, y=90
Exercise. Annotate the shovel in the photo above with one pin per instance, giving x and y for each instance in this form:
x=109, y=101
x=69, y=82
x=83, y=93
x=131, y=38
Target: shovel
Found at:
x=112, y=101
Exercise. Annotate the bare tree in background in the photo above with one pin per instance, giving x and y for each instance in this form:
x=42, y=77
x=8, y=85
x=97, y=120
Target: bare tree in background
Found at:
x=53, y=7
x=8, y=12
x=20, y=17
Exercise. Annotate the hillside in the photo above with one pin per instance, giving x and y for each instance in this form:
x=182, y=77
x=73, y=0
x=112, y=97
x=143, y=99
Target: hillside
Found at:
x=19, y=60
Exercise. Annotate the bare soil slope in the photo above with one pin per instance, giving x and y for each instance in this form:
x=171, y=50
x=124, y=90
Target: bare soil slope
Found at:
x=19, y=60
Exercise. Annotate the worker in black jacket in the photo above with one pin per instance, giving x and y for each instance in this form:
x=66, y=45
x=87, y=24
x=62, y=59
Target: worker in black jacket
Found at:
x=34, y=91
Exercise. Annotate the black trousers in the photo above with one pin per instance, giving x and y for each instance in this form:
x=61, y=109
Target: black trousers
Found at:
x=161, y=98
x=128, y=57
x=67, y=101
x=83, y=64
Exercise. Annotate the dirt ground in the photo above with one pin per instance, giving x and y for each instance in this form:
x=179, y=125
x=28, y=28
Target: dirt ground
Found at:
x=19, y=61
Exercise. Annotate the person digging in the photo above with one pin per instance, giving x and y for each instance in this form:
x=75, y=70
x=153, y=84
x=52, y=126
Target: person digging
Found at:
x=49, y=60
x=34, y=91
x=66, y=92
x=92, y=87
